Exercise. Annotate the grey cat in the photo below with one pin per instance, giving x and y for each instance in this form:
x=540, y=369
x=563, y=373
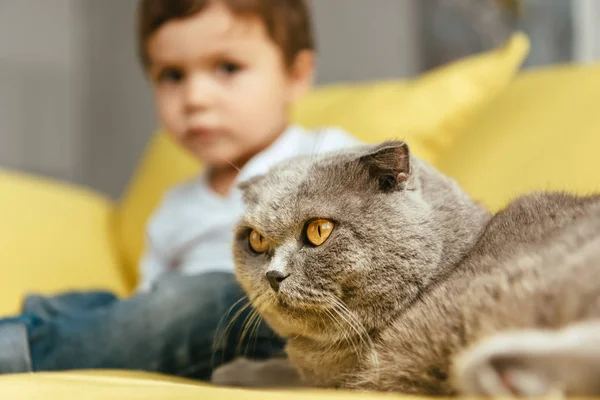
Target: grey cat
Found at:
x=384, y=275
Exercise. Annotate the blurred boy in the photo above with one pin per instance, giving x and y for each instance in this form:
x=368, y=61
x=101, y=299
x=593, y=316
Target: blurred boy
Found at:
x=225, y=74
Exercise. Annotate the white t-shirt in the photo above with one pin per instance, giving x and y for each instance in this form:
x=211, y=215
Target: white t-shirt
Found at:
x=192, y=230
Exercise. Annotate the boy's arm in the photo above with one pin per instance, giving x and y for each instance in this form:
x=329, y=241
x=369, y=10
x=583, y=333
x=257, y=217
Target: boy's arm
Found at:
x=151, y=267
x=155, y=261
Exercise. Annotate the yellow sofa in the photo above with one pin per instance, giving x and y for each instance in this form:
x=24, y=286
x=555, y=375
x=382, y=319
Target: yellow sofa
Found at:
x=498, y=132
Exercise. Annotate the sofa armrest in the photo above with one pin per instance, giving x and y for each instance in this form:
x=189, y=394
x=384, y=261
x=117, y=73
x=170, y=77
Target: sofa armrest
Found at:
x=53, y=237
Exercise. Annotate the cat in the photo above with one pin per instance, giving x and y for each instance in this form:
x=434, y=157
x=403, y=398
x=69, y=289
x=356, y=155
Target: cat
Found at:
x=383, y=274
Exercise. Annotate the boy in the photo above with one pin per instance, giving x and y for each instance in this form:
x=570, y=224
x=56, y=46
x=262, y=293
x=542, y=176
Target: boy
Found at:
x=224, y=73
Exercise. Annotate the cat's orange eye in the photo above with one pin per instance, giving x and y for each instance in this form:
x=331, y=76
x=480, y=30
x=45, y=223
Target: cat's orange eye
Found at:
x=258, y=243
x=318, y=231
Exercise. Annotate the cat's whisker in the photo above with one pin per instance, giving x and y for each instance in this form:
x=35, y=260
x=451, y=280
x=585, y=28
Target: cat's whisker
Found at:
x=361, y=328
x=232, y=164
x=238, y=169
x=248, y=323
x=224, y=334
x=324, y=324
x=347, y=336
x=224, y=318
x=313, y=155
x=342, y=312
x=339, y=326
x=361, y=332
x=312, y=158
x=351, y=337
x=255, y=331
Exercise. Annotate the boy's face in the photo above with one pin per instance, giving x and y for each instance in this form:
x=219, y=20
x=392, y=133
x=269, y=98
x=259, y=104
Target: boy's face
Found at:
x=222, y=88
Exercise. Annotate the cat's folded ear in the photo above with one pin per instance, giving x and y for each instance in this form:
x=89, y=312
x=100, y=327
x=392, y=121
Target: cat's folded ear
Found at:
x=246, y=186
x=389, y=164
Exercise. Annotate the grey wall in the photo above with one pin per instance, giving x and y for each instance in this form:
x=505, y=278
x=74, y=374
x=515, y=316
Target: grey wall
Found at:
x=40, y=87
x=74, y=104
x=587, y=30
x=119, y=112
x=374, y=39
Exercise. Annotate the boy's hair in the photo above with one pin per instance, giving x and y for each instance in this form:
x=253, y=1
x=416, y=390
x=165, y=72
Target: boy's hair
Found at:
x=287, y=22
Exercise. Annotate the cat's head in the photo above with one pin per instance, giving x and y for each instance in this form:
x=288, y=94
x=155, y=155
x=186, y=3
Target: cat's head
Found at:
x=352, y=235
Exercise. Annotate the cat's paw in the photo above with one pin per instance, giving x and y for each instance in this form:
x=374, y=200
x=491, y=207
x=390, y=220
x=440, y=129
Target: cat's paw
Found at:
x=533, y=363
x=276, y=372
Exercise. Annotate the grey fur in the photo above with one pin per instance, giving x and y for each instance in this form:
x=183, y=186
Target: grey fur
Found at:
x=416, y=274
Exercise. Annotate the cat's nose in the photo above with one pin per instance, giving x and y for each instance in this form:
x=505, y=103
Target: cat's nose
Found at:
x=275, y=278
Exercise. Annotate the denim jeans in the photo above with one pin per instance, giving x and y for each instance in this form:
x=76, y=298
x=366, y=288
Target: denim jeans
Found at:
x=172, y=329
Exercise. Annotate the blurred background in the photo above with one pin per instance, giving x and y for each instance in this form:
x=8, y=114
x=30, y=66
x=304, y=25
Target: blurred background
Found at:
x=74, y=103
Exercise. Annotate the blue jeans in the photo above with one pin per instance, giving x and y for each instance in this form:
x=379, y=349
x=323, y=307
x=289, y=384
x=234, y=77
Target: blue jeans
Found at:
x=172, y=329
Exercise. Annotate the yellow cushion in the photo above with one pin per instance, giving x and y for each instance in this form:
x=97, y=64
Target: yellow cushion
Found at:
x=53, y=237
x=111, y=385
x=427, y=112
x=543, y=132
